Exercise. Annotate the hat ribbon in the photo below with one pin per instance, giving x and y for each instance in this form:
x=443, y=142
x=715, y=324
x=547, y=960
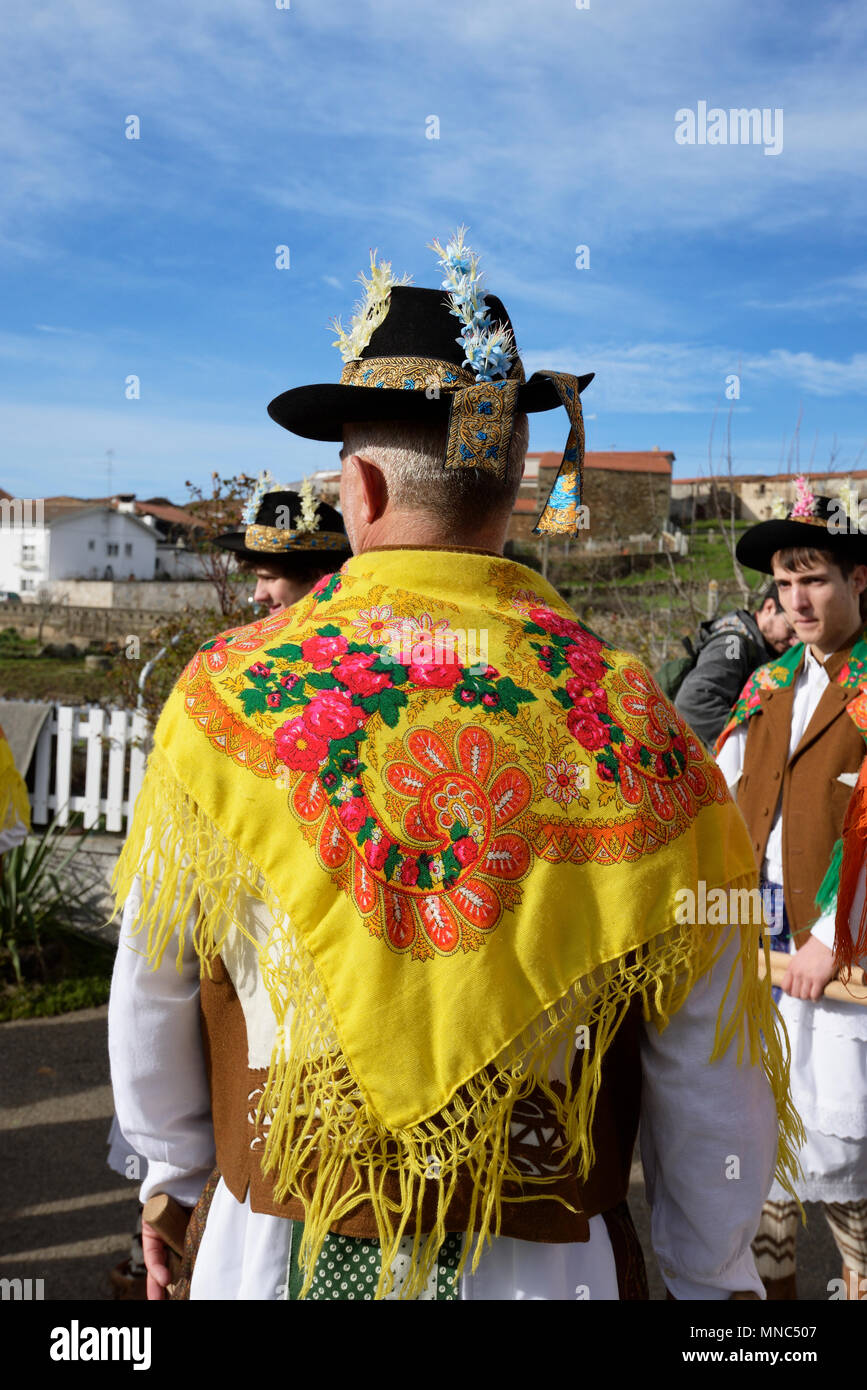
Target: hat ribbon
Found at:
x=278, y=538
x=560, y=515
x=481, y=420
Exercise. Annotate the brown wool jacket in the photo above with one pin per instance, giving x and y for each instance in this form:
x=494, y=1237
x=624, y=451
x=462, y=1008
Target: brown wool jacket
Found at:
x=814, y=799
x=559, y=1218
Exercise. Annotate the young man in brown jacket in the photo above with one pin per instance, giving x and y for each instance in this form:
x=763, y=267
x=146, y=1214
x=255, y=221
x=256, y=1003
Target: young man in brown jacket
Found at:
x=791, y=754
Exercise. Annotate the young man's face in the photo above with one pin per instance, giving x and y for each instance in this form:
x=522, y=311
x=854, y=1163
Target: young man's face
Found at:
x=276, y=591
x=821, y=605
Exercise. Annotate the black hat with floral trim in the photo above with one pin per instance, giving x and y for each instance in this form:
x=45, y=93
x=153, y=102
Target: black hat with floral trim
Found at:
x=290, y=525
x=813, y=522
x=403, y=361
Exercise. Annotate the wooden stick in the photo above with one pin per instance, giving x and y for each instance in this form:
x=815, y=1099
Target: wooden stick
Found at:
x=170, y=1220
x=853, y=993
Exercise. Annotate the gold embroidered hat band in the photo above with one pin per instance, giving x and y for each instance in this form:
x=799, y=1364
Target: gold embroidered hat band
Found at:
x=276, y=538
x=403, y=361
x=291, y=525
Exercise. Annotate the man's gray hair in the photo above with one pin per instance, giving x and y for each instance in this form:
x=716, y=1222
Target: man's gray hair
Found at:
x=411, y=457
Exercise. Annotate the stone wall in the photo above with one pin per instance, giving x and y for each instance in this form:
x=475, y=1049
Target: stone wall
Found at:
x=151, y=596
x=65, y=621
x=622, y=502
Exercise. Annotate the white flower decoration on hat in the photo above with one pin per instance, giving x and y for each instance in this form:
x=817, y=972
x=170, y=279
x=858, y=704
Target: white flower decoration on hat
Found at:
x=369, y=312
x=490, y=348
x=309, y=518
x=264, y=484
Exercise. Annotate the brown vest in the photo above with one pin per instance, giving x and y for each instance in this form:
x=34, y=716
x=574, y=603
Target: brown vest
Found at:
x=236, y=1089
x=814, y=800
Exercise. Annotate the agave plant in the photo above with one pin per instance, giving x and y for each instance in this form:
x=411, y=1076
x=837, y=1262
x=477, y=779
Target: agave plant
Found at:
x=34, y=903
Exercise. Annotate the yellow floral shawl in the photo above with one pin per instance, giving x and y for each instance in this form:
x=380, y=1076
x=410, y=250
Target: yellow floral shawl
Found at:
x=469, y=818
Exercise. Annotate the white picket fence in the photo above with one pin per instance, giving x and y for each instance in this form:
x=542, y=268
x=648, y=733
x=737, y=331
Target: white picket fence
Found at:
x=118, y=735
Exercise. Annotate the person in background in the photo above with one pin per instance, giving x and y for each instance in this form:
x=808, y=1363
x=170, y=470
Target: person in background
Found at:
x=289, y=541
x=791, y=754
x=730, y=648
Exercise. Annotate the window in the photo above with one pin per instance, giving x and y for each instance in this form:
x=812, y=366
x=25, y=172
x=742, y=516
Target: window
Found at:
x=127, y=549
x=91, y=545
x=111, y=548
x=27, y=585
x=28, y=552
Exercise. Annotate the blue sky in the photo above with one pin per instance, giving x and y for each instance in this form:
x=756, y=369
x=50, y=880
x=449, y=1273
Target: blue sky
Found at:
x=306, y=127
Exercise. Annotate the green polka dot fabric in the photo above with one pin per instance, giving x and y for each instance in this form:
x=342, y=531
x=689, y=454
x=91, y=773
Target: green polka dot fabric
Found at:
x=348, y=1268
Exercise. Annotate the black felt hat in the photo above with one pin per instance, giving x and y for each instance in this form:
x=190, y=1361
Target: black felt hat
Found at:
x=279, y=530
x=427, y=357
x=825, y=527
x=410, y=370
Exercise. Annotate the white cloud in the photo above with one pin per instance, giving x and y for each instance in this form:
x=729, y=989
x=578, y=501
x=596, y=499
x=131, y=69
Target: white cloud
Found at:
x=819, y=376
x=685, y=378
x=324, y=106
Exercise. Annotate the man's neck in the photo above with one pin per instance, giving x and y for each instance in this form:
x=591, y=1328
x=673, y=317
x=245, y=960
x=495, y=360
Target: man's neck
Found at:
x=420, y=530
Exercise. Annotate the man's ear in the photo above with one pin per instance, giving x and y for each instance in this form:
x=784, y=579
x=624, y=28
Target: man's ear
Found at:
x=370, y=486
x=858, y=578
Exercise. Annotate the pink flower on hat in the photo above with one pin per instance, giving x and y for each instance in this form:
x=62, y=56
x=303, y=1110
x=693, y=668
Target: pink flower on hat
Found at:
x=805, y=506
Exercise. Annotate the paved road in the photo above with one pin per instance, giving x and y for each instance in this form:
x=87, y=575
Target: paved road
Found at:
x=66, y=1218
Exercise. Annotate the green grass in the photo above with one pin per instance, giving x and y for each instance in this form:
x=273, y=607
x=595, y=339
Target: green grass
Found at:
x=49, y=678
x=708, y=558
x=77, y=976
x=12, y=644
x=64, y=997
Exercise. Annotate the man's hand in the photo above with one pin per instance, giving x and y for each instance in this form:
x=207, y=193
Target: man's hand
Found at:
x=155, y=1258
x=809, y=970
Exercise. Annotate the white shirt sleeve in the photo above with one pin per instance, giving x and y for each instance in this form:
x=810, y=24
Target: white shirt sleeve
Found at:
x=823, y=930
x=161, y=1091
x=708, y=1145
x=12, y=836
x=730, y=759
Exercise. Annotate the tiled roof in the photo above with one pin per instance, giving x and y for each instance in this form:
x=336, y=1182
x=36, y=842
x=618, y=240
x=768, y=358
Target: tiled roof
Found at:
x=63, y=505
x=723, y=480
x=167, y=511
x=56, y=507
x=162, y=510
x=615, y=461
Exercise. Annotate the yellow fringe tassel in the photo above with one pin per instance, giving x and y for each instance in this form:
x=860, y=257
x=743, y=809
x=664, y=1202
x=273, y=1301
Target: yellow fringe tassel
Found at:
x=14, y=801
x=320, y=1125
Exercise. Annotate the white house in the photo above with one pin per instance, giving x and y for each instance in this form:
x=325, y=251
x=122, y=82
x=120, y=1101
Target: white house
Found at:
x=174, y=527
x=91, y=542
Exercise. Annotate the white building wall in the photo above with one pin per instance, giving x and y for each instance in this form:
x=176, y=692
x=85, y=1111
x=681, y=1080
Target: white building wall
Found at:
x=176, y=562
x=89, y=544
x=23, y=558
